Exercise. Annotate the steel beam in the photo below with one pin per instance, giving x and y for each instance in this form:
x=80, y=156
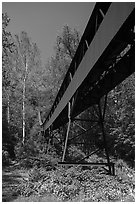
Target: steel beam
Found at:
x=98, y=150
x=114, y=19
x=84, y=120
x=85, y=164
x=80, y=126
x=124, y=68
x=68, y=128
x=81, y=133
x=103, y=134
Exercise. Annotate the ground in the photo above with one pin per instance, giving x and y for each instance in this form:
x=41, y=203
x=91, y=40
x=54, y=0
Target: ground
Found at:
x=11, y=178
x=71, y=184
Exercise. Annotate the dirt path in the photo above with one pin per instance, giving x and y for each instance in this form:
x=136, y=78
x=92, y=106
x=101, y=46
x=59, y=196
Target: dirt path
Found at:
x=11, y=178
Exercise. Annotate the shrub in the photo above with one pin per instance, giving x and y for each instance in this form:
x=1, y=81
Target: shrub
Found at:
x=74, y=154
x=5, y=158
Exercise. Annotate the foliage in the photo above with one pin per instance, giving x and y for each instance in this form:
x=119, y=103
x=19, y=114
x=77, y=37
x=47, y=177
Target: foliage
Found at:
x=75, y=184
x=5, y=158
x=65, y=48
x=67, y=43
x=74, y=154
x=120, y=120
x=7, y=47
x=13, y=73
x=8, y=138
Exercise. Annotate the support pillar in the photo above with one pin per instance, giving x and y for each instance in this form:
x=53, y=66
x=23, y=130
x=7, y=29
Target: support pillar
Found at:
x=67, y=134
x=101, y=120
x=48, y=140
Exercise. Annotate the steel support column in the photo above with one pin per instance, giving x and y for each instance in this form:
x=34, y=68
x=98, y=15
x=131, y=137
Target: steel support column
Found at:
x=67, y=134
x=101, y=121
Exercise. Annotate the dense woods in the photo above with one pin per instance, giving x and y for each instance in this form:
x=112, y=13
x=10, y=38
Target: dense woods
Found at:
x=29, y=88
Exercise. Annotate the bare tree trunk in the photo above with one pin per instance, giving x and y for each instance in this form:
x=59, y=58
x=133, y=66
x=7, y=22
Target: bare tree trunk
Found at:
x=23, y=103
x=23, y=58
x=23, y=109
x=40, y=120
x=8, y=110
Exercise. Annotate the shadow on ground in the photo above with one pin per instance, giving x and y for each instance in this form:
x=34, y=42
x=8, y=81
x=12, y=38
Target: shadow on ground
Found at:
x=10, y=180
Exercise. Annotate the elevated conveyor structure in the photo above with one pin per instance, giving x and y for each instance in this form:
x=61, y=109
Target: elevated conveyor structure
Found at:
x=104, y=58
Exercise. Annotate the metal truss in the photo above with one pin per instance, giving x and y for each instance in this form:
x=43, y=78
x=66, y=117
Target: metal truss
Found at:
x=98, y=66
x=97, y=60
x=100, y=109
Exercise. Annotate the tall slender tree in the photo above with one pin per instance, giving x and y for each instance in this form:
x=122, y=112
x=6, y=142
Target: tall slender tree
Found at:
x=26, y=57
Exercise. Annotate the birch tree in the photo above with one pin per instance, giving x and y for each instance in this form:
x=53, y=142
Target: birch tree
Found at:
x=25, y=54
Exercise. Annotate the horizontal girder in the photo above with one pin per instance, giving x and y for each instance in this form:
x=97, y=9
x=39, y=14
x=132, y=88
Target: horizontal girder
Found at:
x=88, y=79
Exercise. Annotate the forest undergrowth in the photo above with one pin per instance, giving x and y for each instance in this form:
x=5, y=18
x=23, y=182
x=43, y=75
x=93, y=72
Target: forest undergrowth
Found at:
x=47, y=181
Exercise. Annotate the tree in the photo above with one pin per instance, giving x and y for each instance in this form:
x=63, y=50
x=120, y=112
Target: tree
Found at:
x=8, y=138
x=7, y=48
x=67, y=43
x=56, y=68
x=121, y=119
x=65, y=48
x=27, y=60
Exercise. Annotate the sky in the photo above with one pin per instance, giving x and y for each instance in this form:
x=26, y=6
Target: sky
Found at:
x=43, y=21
